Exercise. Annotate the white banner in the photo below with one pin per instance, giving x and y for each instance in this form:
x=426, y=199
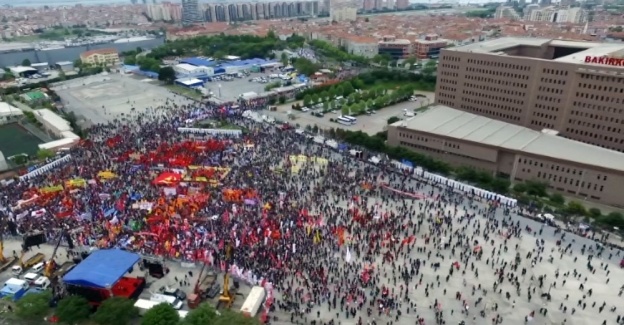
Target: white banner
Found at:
x=45, y=168
x=236, y=133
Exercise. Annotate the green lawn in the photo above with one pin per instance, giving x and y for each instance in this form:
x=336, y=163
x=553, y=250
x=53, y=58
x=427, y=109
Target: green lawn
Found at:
x=184, y=91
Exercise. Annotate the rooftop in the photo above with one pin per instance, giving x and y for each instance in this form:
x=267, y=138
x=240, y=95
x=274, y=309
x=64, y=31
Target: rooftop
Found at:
x=495, y=46
x=7, y=109
x=449, y=122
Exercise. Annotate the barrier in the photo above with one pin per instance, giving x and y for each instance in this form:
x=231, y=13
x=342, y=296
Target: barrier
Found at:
x=236, y=133
x=46, y=168
x=419, y=172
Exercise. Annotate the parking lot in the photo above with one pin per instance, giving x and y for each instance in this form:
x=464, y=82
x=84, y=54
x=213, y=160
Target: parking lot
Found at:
x=231, y=90
x=105, y=97
x=370, y=124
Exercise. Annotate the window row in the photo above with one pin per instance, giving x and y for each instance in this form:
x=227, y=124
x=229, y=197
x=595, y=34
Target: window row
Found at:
x=491, y=113
x=498, y=73
x=500, y=65
x=504, y=82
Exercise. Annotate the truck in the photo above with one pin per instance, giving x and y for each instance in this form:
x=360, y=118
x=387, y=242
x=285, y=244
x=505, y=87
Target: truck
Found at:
x=207, y=287
x=254, y=301
x=32, y=261
x=144, y=305
x=14, y=289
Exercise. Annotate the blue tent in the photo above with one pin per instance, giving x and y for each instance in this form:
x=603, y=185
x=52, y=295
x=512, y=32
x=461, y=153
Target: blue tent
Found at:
x=102, y=269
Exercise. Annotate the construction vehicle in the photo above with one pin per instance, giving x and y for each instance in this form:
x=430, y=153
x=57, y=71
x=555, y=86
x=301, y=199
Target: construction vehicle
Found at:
x=5, y=262
x=61, y=271
x=227, y=295
x=205, y=287
x=32, y=261
x=51, y=264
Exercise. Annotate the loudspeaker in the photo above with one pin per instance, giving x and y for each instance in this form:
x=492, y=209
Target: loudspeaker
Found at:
x=34, y=240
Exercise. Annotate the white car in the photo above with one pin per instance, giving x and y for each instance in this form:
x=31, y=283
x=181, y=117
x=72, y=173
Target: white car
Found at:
x=305, y=109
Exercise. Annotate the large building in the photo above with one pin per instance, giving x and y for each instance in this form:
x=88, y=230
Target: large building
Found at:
x=519, y=153
x=106, y=57
x=343, y=10
x=557, y=15
x=190, y=12
x=575, y=88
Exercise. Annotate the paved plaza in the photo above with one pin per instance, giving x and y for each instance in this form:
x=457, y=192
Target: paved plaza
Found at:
x=106, y=97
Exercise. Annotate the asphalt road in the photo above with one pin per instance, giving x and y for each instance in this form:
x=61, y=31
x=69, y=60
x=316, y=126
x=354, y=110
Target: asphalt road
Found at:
x=371, y=124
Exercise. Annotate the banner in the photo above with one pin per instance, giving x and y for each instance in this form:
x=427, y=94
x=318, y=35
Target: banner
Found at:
x=76, y=182
x=106, y=174
x=52, y=189
x=45, y=168
x=235, y=133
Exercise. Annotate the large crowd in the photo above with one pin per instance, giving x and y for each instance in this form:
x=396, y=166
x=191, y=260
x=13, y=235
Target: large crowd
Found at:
x=338, y=247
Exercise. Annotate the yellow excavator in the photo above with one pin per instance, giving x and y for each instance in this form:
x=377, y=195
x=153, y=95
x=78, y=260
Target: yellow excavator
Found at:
x=5, y=262
x=227, y=296
x=51, y=264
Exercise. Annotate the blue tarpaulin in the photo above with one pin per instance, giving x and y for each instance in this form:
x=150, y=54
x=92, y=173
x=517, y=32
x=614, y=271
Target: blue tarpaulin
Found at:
x=342, y=147
x=407, y=163
x=102, y=269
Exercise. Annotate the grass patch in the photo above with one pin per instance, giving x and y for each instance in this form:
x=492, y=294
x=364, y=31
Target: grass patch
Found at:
x=184, y=91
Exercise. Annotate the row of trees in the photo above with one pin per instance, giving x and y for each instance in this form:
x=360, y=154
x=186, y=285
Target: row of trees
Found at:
x=357, y=103
x=245, y=46
x=375, y=79
x=530, y=193
x=331, y=52
x=120, y=311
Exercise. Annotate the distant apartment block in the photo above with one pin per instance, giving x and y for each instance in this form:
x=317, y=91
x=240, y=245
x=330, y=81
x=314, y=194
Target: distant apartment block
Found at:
x=190, y=12
x=557, y=15
x=227, y=12
x=506, y=12
x=105, y=57
x=343, y=10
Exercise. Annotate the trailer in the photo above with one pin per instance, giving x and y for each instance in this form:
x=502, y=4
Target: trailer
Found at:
x=14, y=289
x=254, y=301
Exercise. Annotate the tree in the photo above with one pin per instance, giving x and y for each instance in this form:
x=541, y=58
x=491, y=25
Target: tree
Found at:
x=33, y=306
x=73, y=309
x=557, y=198
x=536, y=188
x=44, y=154
x=281, y=99
x=575, y=208
x=520, y=188
x=204, y=314
x=307, y=99
x=162, y=314
x=229, y=317
x=393, y=119
x=595, y=213
x=26, y=63
x=167, y=74
x=115, y=311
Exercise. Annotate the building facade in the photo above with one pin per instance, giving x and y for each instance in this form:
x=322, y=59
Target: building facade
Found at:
x=363, y=46
x=429, y=47
x=397, y=49
x=574, y=88
x=518, y=153
x=106, y=57
x=190, y=12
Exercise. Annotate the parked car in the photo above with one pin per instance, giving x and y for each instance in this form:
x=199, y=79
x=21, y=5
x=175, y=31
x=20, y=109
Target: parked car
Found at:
x=305, y=109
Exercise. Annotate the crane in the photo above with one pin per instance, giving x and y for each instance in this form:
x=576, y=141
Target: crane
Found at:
x=226, y=296
x=51, y=265
x=4, y=261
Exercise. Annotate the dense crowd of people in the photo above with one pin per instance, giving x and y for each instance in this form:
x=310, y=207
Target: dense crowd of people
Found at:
x=338, y=247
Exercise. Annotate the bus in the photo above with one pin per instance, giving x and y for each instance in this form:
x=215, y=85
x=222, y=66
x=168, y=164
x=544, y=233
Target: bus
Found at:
x=351, y=118
x=344, y=121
